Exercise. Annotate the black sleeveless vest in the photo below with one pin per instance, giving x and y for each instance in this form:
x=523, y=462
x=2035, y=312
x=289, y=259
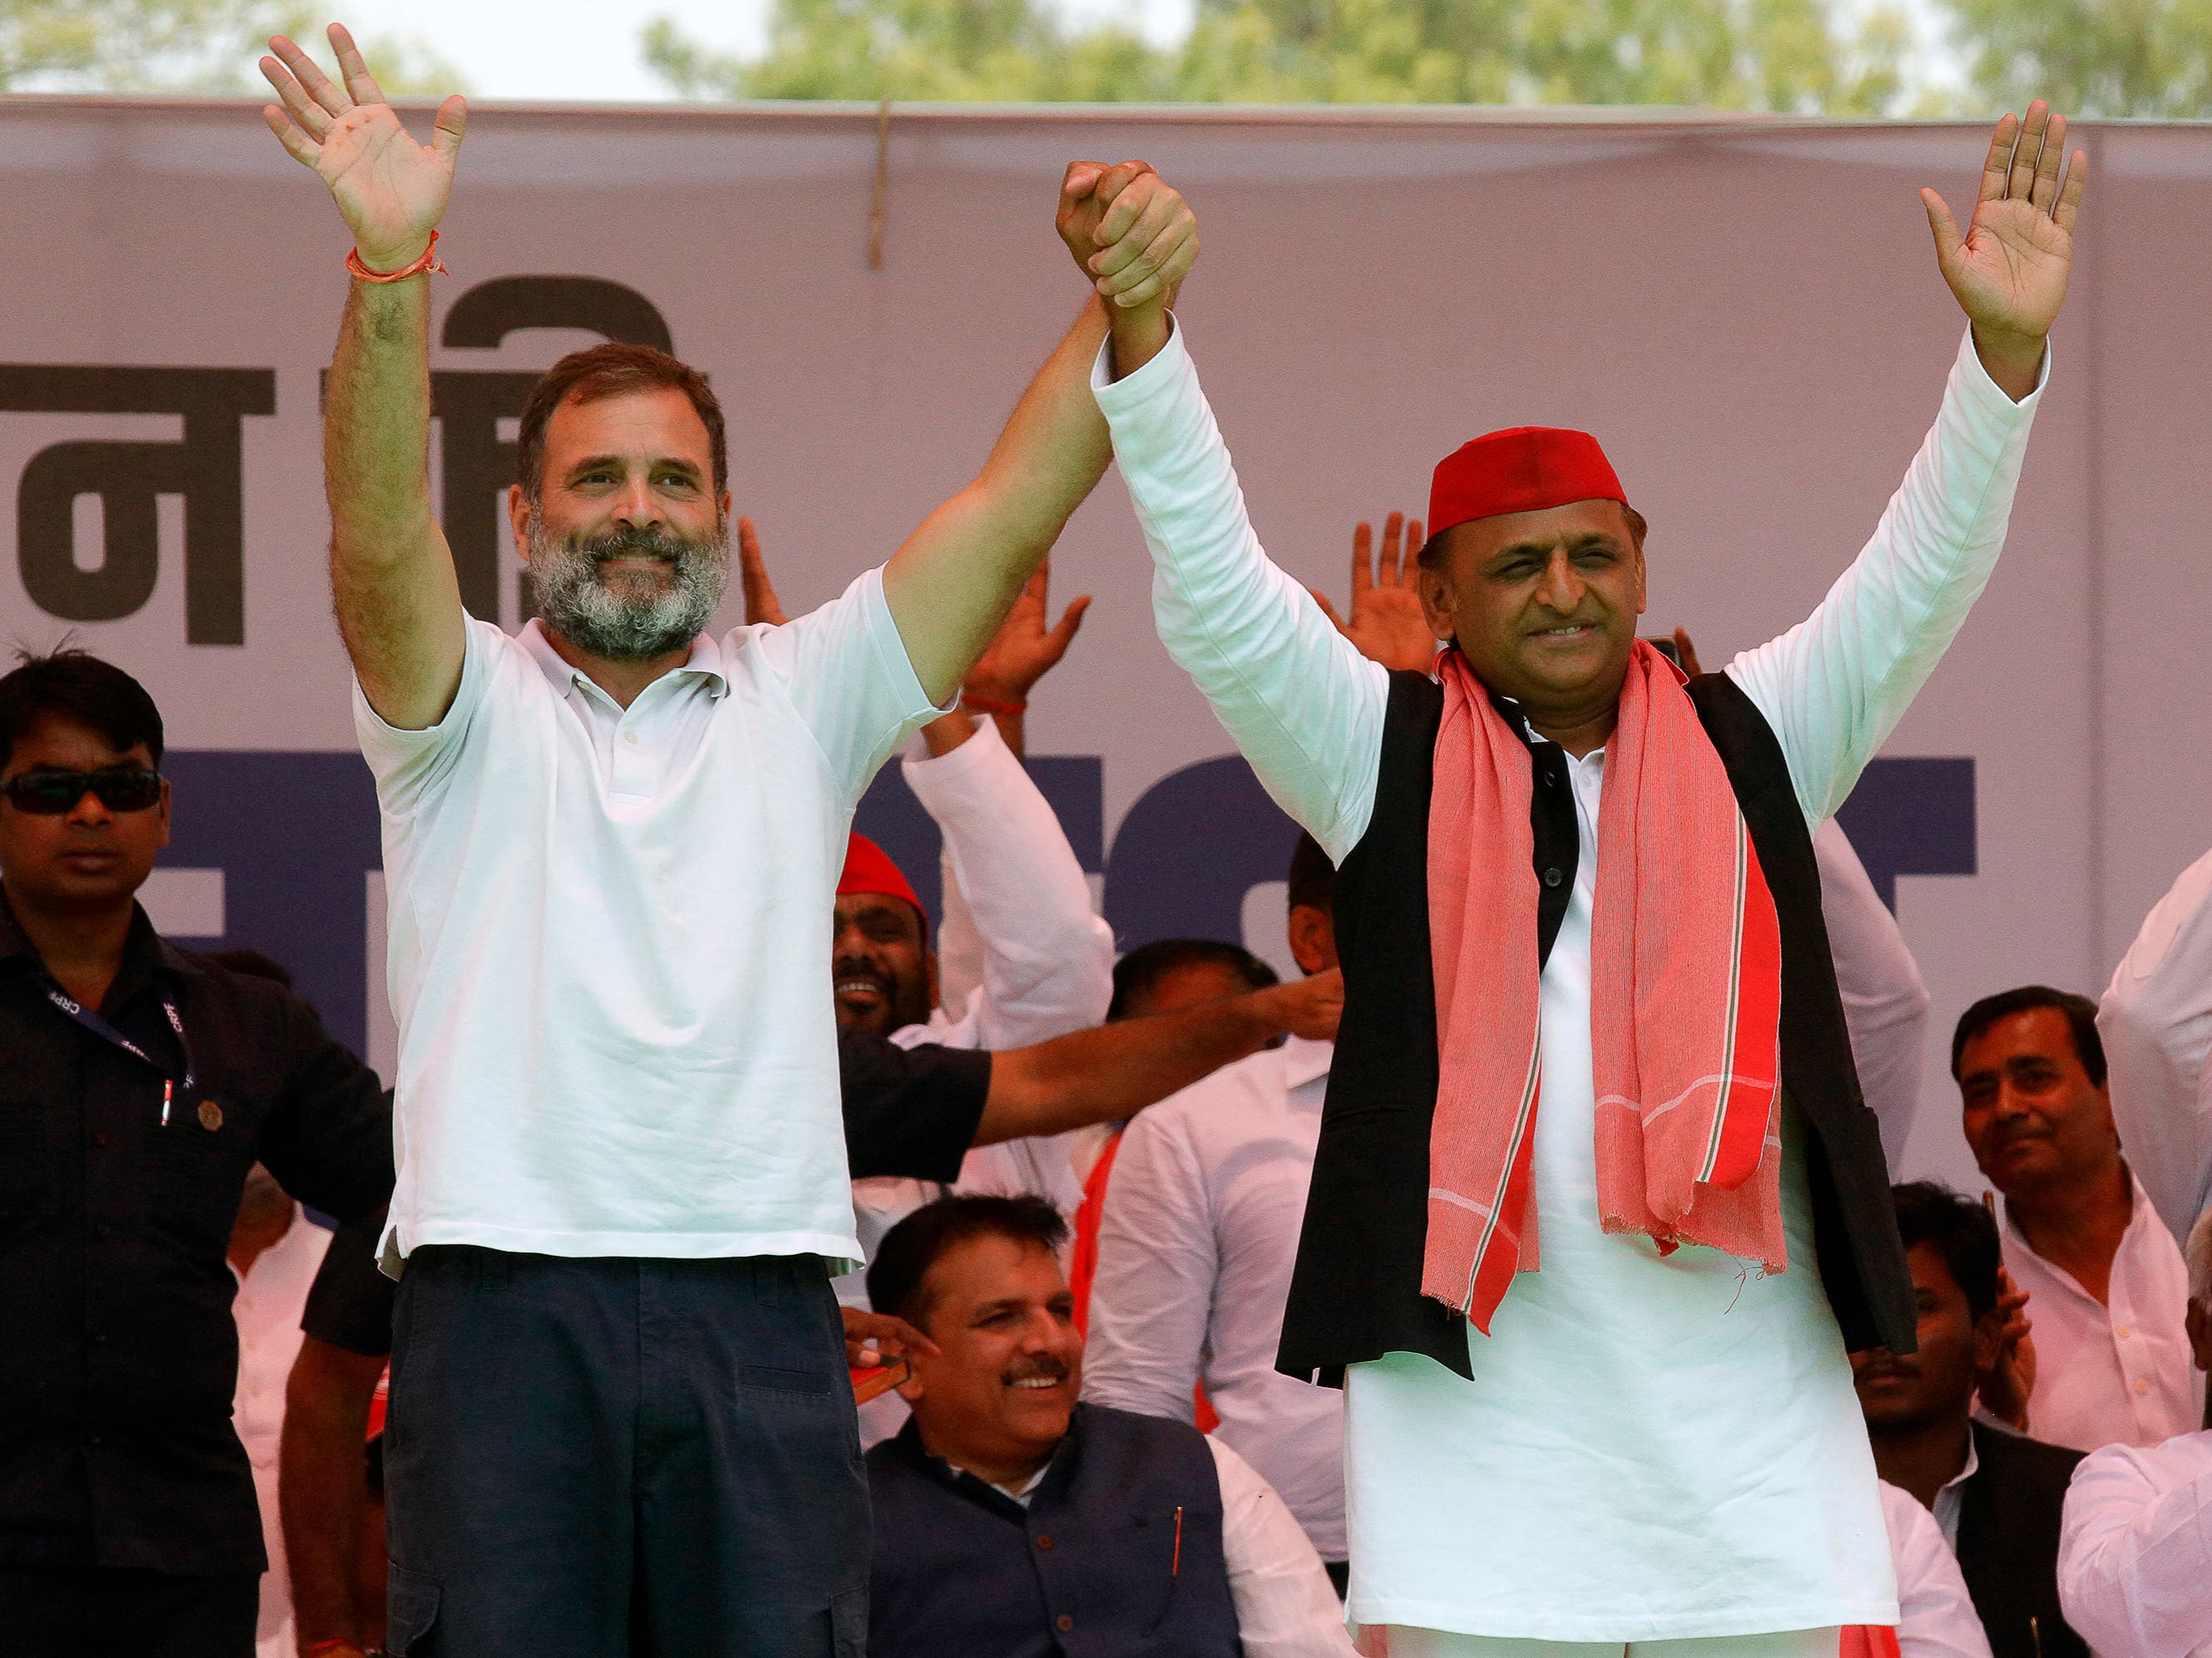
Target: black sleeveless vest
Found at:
x=1089, y=1569
x=1355, y=1292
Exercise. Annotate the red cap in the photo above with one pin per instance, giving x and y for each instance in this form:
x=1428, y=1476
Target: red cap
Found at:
x=868, y=868
x=1525, y=470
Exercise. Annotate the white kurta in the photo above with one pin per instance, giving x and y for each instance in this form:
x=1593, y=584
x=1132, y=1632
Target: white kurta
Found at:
x=1935, y=1614
x=2156, y=1022
x=271, y=1296
x=2134, y=1549
x=1195, y=1251
x=2116, y=1371
x=1650, y=1448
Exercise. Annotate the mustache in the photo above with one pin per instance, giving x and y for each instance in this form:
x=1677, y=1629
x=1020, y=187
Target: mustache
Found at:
x=635, y=542
x=1044, y=1364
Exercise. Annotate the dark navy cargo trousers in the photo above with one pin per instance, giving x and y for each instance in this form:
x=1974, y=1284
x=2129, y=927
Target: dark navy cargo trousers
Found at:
x=589, y=1458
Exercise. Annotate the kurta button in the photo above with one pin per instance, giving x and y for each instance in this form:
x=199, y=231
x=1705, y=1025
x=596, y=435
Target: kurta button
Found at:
x=92, y=1439
x=1063, y=1623
x=2142, y=1386
x=103, y=1231
x=102, y=1139
x=1552, y=878
x=1043, y=1542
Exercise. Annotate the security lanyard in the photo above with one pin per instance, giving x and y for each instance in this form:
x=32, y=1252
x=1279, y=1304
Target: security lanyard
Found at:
x=100, y=1028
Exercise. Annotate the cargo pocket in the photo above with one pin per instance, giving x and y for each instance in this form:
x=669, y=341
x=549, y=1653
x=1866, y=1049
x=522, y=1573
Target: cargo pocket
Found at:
x=412, y=1606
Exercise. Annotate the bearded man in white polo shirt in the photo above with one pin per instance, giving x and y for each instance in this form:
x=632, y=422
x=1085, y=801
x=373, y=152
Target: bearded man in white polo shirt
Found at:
x=620, y=1420
x=1646, y=1440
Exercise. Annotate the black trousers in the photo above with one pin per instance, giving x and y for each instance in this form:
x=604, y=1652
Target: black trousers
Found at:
x=586, y=1458
x=77, y=1612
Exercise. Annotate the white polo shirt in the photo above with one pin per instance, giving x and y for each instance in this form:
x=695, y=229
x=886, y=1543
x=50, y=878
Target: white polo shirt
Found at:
x=608, y=954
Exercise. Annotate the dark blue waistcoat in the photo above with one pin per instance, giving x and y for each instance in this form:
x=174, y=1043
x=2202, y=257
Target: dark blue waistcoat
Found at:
x=1089, y=1569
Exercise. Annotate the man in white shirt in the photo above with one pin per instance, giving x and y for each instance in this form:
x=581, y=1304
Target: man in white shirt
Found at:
x=1935, y=1618
x=2135, y=1561
x=1655, y=1441
x=619, y=1408
x=1195, y=1243
x=2156, y=1022
x=1010, y=1519
x=2103, y=1278
x=275, y=1253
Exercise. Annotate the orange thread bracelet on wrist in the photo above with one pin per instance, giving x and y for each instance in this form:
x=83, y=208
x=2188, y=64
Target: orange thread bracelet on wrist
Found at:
x=991, y=704
x=429, y=262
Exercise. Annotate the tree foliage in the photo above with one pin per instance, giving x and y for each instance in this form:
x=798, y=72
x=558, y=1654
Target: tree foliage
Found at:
x=2144, y=58
x=179, y=46
x=1788, y=55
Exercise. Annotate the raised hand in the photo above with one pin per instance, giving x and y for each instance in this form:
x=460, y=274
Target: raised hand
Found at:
x=2008, y=271
x=761, y=602
x=2004, y=1375
x=1386, y=624
x=1027, y=645
x=1134, y=238
x=391, y=190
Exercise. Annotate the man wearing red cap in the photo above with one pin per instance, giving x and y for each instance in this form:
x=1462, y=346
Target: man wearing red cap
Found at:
x=1597, y=1206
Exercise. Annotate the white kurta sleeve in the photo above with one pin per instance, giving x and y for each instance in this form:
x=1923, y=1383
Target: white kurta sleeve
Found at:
x=1935, y=1615
x=1048, y=958
x=1286, y=1605
x=1885, y=1001
x=1834, y=687
x=2135, y=1549
x=1303, y=704
x=2156, y=1022
x=1158, y=1266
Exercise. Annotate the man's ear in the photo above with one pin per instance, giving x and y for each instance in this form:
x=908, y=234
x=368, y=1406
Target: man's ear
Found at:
x=518, y=517
x=2198, y=1321
x=1432, y=582
x=929, y=969
x=1313, y=938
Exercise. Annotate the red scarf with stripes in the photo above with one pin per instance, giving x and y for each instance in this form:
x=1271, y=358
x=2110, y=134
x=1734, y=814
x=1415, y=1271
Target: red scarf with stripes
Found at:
x=1686, y=995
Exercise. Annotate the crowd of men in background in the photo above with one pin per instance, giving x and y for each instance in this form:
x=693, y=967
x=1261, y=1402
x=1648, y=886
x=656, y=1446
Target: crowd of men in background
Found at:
x=1066, y=1310
x=1079, y=1184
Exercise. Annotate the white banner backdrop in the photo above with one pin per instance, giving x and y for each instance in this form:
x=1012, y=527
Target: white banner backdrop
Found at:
x=1746, y=312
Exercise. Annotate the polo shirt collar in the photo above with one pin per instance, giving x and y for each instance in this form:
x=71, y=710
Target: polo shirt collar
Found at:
x=566, y=678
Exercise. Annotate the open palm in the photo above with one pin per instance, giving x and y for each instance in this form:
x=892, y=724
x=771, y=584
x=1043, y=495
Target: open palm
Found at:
x=2009, y=271
x=391, y=190
x=1388, y=624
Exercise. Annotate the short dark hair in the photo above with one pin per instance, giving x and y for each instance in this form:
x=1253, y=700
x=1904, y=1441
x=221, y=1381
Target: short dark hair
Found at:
x=611, y=371
x=909, y=1249
x=1433, y=548
x=1140, y=972
x=2081, y=1017
x=1313, y=878
x=76, y=685
x=1959, y=1230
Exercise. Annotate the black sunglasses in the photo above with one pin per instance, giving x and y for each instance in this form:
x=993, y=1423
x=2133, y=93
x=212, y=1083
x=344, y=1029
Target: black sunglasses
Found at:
x=51, y=794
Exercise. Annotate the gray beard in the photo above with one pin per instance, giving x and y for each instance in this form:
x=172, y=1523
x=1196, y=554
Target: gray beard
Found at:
x=575, y=602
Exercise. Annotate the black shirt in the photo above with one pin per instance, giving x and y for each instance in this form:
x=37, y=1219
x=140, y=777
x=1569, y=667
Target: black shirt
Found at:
x=118, y=1356
x=910, y=1111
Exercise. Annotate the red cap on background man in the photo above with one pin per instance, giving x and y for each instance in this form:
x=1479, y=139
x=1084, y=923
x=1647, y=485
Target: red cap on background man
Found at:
x=868, y=868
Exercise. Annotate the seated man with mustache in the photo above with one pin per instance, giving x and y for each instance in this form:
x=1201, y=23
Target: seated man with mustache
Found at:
x=1011, y=1520
x=618, y=1409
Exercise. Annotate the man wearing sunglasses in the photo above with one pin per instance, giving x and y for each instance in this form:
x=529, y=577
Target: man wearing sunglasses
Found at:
x=138, y=1083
